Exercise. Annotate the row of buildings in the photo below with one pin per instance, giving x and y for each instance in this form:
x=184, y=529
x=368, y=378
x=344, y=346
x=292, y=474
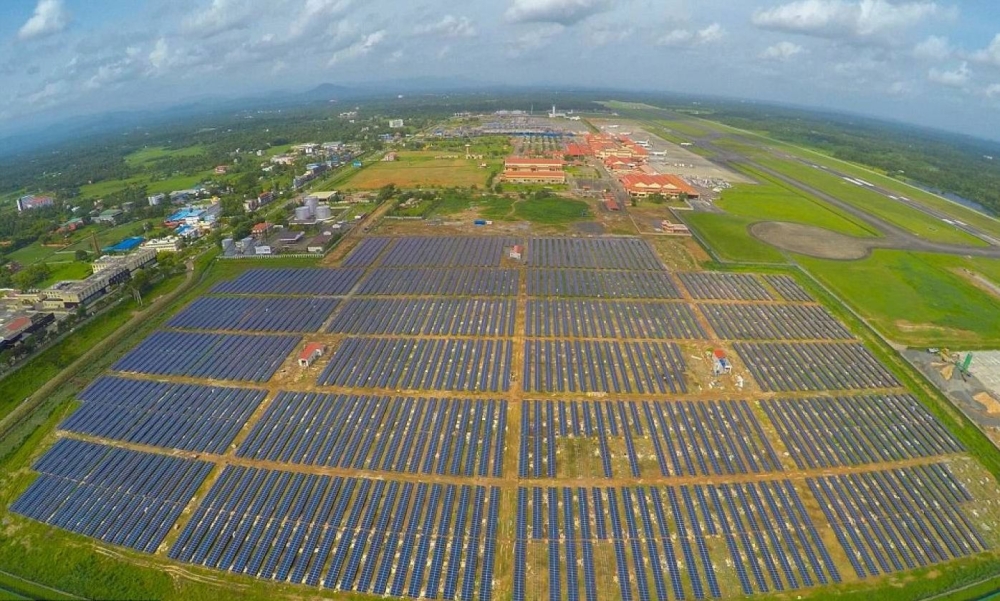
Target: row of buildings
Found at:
x=109, y=271
x=521, y=170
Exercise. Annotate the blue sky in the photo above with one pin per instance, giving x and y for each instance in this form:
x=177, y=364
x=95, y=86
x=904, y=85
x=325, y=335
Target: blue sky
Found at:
x=935, y=63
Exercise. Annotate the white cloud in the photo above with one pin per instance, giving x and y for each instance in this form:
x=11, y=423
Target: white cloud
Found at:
x=563, y=12
x=603, y=35
x=955, y=79
x=359, y=48
x=685, y=37
x=160, y=54
x=782, y=51
x=990, y=54
x=992, y=91
x=933, y=48
x=50, y=17
x=316, y=14
x=900, y=88
x=847, y=19
x=220, y=16
x=539, y=37
x=449, y=26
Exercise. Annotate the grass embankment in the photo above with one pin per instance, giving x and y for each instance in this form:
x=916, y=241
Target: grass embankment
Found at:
x=153, y=154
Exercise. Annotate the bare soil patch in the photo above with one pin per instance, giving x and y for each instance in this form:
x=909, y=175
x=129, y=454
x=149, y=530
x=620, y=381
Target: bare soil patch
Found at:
x=811, y=241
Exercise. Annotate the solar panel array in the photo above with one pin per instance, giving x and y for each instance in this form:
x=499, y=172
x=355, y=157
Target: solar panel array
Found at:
x=119, y=496
x=893, y=520
x=658, y=538
x=669, y=438
x=391, y=489
x=592, y=366
x=782, y=367
x=215, y=356
x=415, y=435
x=440, y=282
x=412, y=364
x=592, y=253
x=367, y=251
x=426, y=317
x=255, y=314
x=179, y=416
x=601, y=284
x=611, y=319
x=828, y=432
x=447, y=252
x=349, y=534
x=724, y=286
x=774, y=322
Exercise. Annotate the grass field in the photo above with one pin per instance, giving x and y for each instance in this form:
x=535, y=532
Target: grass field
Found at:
x=770, y=201
x=894, y=212
x=552, y=211
x=729, y=238
x=80, y=240
x=919, y=299
x=419, y=169
x=155, y=153
x=68, y=270
x=153, y=185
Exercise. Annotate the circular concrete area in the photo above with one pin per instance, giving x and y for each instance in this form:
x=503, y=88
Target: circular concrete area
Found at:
x=812, y=241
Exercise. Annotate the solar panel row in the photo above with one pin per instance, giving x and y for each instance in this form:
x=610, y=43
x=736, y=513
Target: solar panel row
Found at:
x=828, y=432
x=724, y=286
x=216, y=356
x=367, y=251
x=426, y=317
x=447, y=252
x=415, y=435
x=773, y=544
x=685, y=438
x=255, y=314
x=119, y=496
x=179, y=416
x=410, y=364
x=592, y=253
x=774, y=322
x=892, y=520
x=782, y=367
x=349, y=534
x=592, y=366
x=611, y=319
x=601, y=284
x=440, y=282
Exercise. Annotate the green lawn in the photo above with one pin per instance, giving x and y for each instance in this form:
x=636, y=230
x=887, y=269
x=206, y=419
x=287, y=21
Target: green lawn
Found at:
x=918, y=300
x=155, y=153
x=771, y=201
x=69, y=270
x=497, y=208
x=729, y=238
x=552, y=211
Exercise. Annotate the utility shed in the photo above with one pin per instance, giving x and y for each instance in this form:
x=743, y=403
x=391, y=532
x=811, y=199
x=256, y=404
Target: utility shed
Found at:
x=721, y=364
x=313, y=351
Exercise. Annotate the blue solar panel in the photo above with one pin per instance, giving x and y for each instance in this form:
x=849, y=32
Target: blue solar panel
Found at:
x=120, y=496
x=180, y=416
x=255, y=314
x=217, y=356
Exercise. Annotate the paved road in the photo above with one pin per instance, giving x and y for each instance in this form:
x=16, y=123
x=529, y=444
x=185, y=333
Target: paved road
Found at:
x=894, y=237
